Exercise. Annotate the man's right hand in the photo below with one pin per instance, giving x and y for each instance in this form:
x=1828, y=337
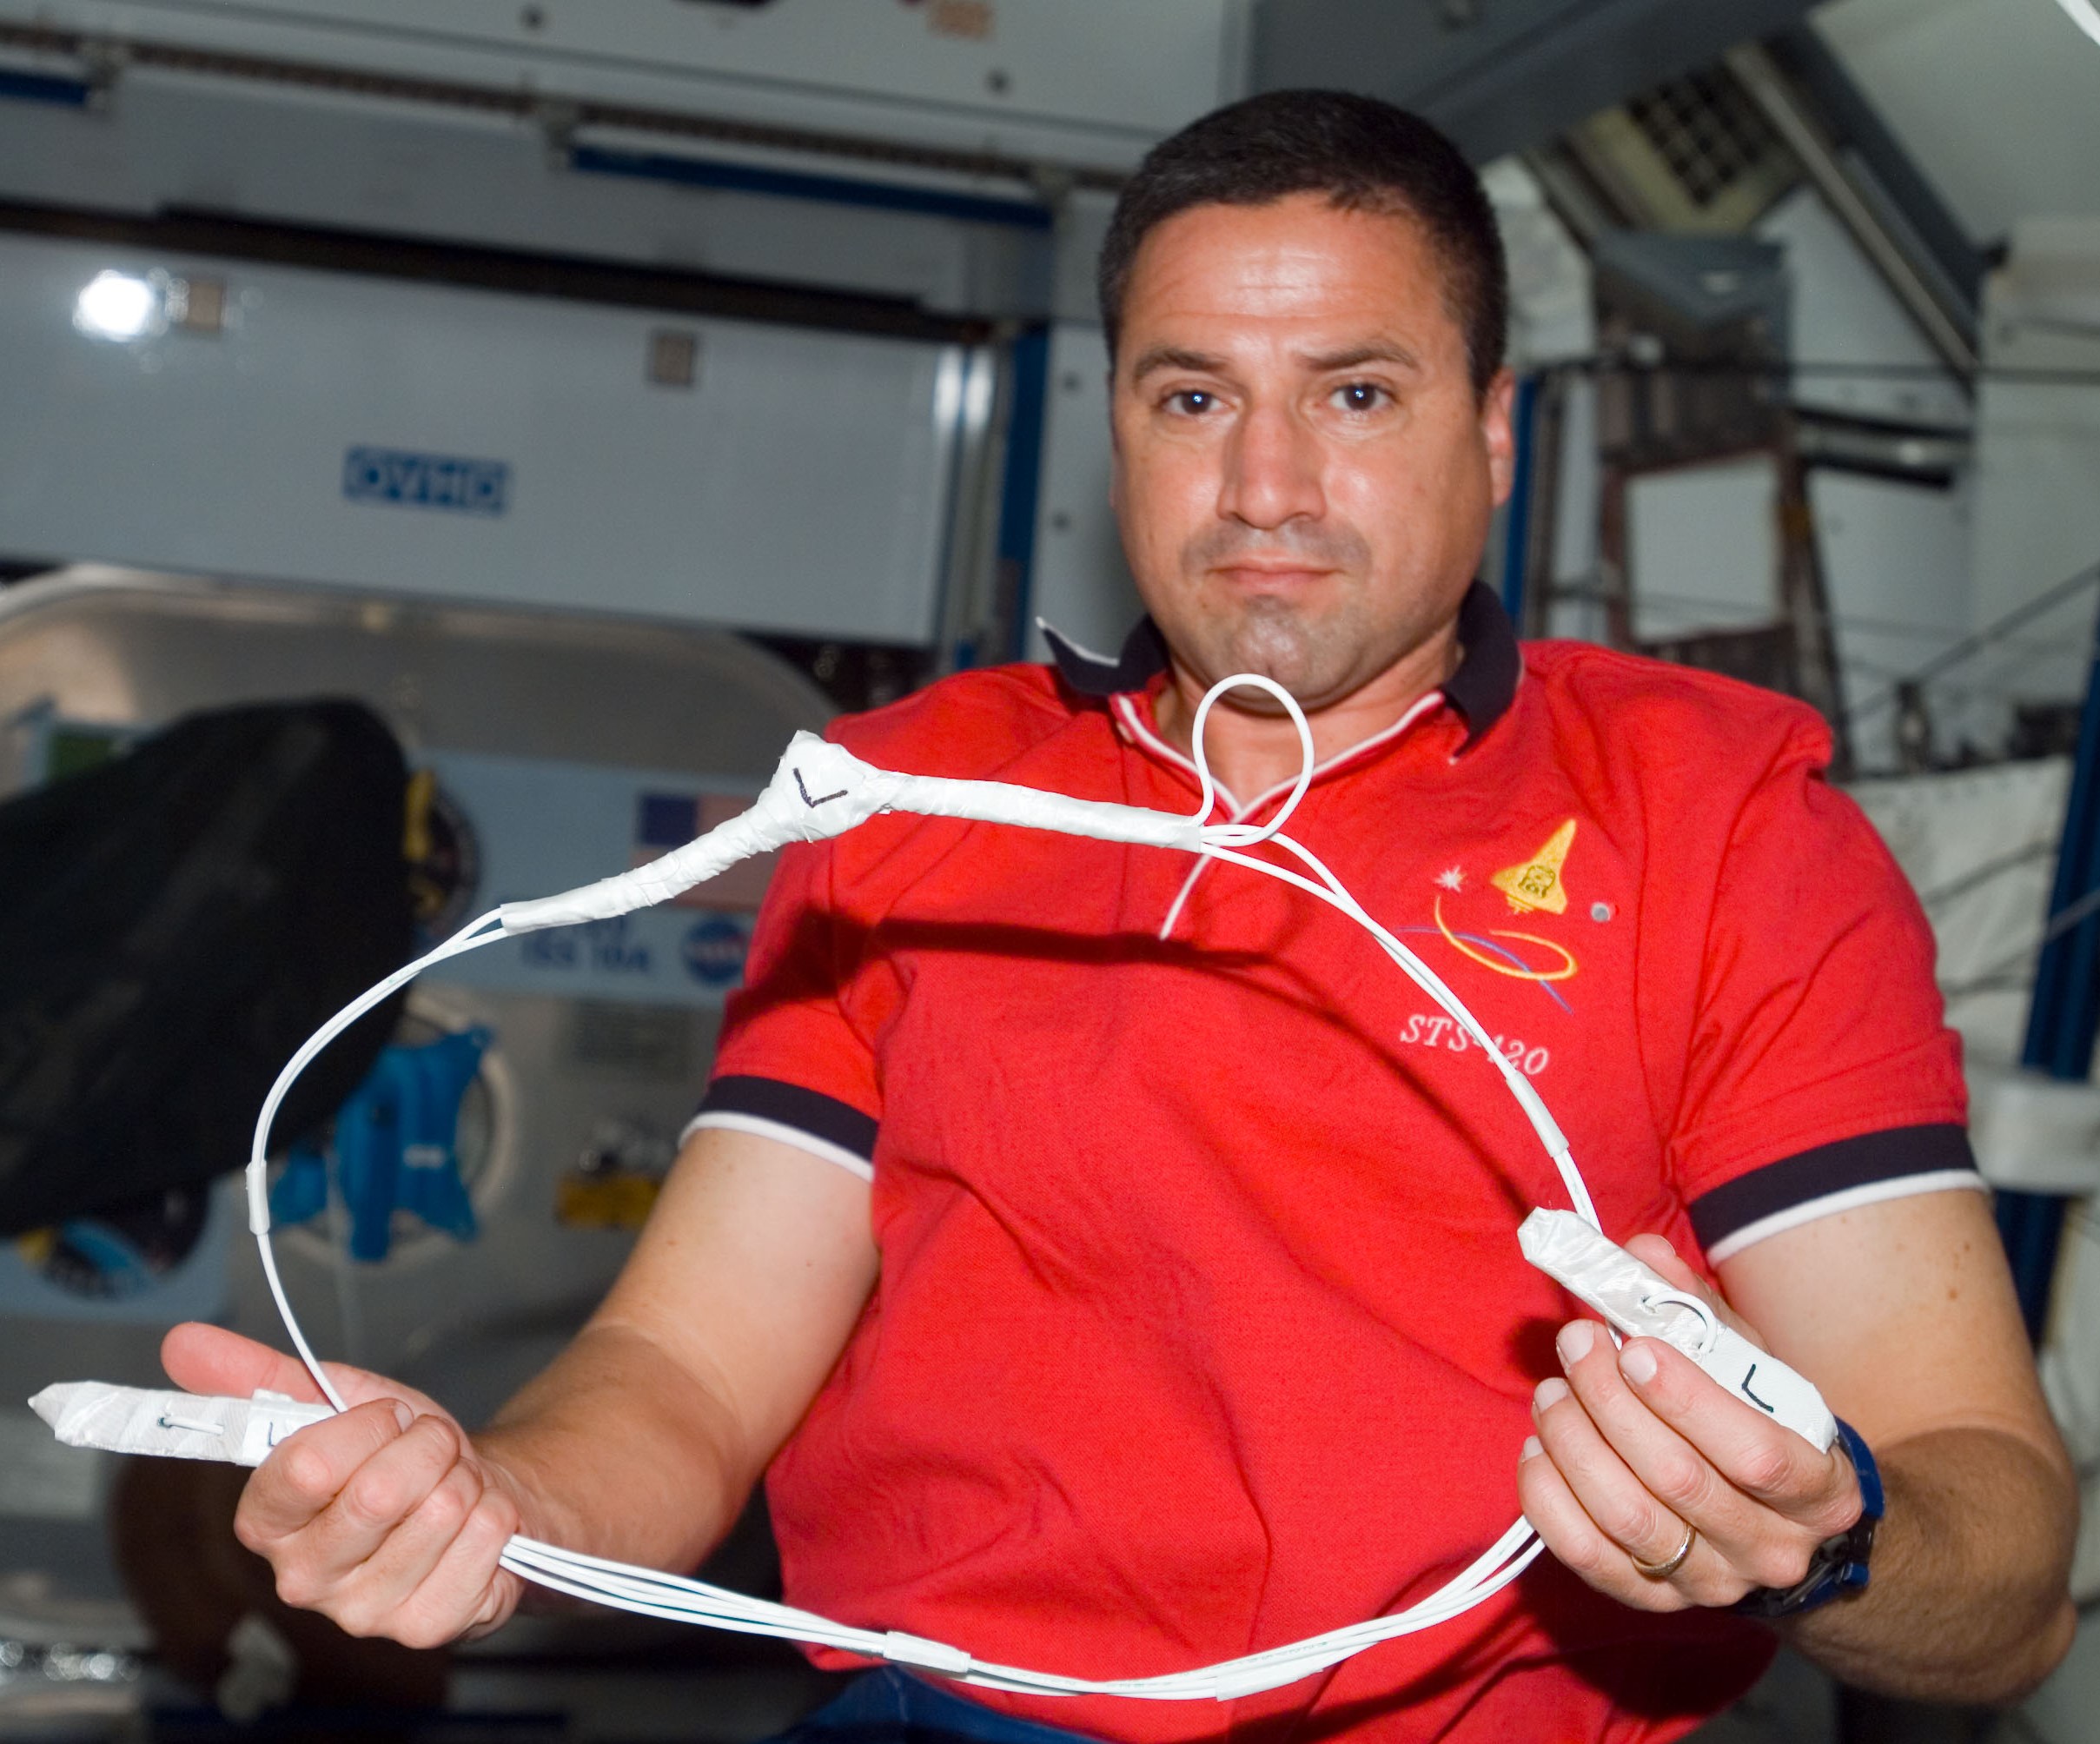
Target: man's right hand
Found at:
x=640, y=1442
x=383, y=1518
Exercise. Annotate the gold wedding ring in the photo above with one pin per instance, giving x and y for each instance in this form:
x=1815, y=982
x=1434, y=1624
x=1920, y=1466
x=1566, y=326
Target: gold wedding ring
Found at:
x=1662, y=1571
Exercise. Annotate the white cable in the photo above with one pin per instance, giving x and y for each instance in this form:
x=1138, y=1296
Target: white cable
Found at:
x=258, y=1157
x=2084, y=15
x=1542, y=1121
x=1246, y=835
x=818, y=792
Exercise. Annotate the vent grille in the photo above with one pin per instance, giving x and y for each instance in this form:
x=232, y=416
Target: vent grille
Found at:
x=1694, y=155
x=1707, y=131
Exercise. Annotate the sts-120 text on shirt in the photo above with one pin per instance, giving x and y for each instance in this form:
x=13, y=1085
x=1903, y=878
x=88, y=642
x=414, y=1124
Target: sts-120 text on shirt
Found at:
x=1201, y=1325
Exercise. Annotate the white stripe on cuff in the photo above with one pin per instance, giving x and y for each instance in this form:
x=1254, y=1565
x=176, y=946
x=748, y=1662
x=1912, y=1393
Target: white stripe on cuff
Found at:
x=785, y=1134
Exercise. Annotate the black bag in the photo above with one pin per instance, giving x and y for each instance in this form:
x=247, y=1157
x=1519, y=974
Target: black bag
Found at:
x=172, y=927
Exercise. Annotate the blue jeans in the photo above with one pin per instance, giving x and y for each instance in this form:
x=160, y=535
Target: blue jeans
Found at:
x=890, y=1706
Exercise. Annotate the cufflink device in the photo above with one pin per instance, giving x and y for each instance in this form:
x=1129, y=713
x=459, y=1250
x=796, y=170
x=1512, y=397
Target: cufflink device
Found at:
x=1642, y=1303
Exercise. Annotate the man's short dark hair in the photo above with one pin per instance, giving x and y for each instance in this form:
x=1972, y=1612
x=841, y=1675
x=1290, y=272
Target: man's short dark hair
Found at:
x=1363, y=155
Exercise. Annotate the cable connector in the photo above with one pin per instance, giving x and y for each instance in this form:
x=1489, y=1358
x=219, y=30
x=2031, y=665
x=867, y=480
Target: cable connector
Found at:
x=1230, y=1686
x=900, y=1649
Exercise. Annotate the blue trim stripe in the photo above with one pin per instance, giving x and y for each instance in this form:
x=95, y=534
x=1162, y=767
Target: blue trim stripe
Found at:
x=2064, y=1009
x=1516, y=527
x=1021, y=490
x=836, y=190
x=43, y=87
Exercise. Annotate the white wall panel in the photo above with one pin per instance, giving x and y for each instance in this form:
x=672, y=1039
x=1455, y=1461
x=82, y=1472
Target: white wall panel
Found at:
x=1081, y=584
x=1087, y=81
x=1997, y=101
x=1702, y=545
x=1896, y=567
x=2038, y=487
x=433, y=174
x=801, y=485
x=1845, y=315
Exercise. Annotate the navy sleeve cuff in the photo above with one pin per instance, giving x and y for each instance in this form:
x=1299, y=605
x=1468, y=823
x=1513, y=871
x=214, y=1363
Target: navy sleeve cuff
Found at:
x=1796, y=1189
x=769, y=1103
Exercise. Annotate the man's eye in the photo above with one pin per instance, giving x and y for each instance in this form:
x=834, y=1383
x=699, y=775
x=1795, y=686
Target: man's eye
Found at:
x=1194, y=402
x=1360, y=396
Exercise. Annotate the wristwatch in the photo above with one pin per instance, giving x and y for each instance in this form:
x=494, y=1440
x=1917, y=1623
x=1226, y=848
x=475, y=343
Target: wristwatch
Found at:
x=1839, y=1567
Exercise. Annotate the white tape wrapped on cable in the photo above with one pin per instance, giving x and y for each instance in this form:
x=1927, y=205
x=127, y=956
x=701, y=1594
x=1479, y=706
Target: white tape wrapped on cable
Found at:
x=821, y=790
x=1642, y=1303
x=131, y=1420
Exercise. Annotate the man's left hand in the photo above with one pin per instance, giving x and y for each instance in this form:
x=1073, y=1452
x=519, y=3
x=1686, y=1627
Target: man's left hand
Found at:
x=1638, y=1444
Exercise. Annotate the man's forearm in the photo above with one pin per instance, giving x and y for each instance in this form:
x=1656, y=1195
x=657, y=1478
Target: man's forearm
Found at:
x=615, y=1450
x=1969, y=1597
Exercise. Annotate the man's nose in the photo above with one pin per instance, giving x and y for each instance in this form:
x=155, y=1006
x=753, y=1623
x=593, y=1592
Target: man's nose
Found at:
x=1272, y=470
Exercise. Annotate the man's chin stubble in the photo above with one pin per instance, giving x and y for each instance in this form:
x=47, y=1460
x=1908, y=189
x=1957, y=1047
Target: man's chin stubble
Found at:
x=1279, y=647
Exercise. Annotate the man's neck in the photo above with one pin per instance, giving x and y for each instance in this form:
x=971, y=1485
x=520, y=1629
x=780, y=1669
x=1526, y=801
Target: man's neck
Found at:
x=1251, y=754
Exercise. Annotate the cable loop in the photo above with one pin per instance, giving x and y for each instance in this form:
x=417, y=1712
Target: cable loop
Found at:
x=1710, y=1325
x=1246, y=835
x=649, y=1593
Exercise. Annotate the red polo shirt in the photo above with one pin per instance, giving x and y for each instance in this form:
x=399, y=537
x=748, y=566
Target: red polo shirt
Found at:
x=1201, y=1325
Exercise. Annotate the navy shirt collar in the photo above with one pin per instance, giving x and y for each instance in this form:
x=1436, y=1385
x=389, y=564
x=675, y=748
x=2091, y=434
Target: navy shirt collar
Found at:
x=1481, y=689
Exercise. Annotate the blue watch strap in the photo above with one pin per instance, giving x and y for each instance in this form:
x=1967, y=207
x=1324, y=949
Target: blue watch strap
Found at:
x=1859, y=1541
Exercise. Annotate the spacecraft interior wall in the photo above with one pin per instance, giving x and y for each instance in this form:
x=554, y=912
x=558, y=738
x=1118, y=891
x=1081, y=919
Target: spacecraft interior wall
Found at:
x=1084, y=82
x=400, y=438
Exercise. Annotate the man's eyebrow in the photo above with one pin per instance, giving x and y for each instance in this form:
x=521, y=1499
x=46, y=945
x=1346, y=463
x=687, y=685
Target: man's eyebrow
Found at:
x=1174, y=357
x=1379, y=351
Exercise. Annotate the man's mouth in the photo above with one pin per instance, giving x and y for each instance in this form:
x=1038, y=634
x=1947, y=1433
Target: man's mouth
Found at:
x=1271, y=578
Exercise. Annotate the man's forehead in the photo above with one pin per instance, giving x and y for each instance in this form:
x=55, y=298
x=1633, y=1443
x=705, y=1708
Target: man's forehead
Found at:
x=1327, y=285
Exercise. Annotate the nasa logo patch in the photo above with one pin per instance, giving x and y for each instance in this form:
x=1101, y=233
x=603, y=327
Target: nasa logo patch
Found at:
x=714, y=951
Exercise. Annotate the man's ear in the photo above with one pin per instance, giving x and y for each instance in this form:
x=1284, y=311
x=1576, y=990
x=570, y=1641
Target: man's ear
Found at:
x=1498, y=432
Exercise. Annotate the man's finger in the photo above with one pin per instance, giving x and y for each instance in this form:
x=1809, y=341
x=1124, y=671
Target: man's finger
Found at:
x=1673, y=1471
x=1557, y=1514
x=467, y=1591
x=378, y=1593
x=1763, y=1459
x=377, y=1499
x=1605, y=1487
x=210, y=1359
x=309, y=1470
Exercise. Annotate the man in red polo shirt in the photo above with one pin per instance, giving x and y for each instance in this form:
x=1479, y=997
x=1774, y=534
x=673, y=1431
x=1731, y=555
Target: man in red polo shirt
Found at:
x=1113, y=1257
